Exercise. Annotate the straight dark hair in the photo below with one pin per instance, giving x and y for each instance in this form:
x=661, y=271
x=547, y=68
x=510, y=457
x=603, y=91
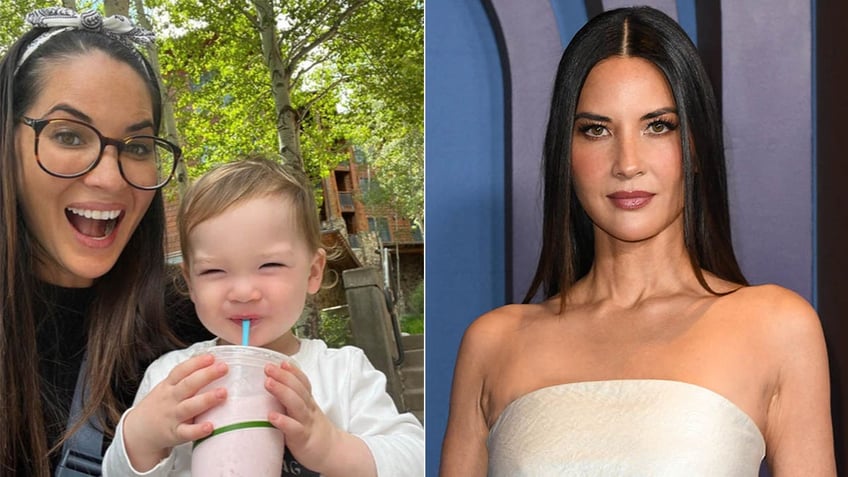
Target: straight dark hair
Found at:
x=568, y=251
x=126, y=319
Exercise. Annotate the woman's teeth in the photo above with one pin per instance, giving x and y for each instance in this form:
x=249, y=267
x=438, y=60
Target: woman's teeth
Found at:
x=96, y=224
x=96, y=214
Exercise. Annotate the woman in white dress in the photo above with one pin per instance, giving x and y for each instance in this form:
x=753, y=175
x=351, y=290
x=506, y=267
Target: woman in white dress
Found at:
x=650, y=354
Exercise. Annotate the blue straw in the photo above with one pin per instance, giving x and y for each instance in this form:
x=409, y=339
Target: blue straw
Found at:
x=245, y=332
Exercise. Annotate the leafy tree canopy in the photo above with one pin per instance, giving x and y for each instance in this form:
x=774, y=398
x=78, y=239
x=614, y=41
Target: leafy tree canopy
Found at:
x=348, y=72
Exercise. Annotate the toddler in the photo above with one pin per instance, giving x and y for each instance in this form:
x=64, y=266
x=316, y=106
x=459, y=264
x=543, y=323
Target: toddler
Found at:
x=250, y=239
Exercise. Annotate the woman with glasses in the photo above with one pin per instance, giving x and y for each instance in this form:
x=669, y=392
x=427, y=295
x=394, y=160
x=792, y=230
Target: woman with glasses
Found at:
x=82, y=237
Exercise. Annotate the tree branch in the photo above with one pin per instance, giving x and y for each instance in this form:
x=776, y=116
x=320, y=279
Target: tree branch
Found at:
x=315, y=17
x=248, y=13
x=308, y=105
x=300, y=73
x=296, y=57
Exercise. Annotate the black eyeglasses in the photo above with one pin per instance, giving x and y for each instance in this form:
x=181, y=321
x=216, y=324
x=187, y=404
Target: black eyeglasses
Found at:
x=70, y=148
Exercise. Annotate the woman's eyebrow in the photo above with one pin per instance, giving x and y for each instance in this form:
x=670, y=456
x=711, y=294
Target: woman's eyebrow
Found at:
x=651, y=115
x=659, y=112
x=70, y=110
x=141, y=125
x=593, y=117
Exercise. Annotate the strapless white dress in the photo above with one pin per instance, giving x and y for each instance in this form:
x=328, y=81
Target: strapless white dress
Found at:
x=624, y=428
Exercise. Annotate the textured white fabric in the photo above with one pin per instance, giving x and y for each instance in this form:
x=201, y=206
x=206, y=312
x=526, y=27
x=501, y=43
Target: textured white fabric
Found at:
x=624, y=428
x=344, y=384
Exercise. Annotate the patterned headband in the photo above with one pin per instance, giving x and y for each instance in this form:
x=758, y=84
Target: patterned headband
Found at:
x=60, y=19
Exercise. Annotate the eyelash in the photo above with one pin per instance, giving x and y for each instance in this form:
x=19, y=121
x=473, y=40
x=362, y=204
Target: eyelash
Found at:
x=271, y=264
x=212, y=271
x=585, y=128
x=669, y=125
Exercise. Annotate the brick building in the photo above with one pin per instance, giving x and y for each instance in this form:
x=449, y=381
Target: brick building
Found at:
x=172, y=236
x=376, y=233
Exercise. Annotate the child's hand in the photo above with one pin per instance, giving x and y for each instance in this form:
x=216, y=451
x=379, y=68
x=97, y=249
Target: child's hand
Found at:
x=165, y=417
x=308, y=432
x=310, y=436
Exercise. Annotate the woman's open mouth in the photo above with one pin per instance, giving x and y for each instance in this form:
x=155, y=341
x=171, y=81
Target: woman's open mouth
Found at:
x=96, y=224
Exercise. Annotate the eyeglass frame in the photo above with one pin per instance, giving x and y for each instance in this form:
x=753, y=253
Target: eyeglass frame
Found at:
x=38, y=125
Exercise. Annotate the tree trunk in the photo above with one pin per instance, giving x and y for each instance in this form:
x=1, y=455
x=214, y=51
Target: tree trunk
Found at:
x=116, y=7
x=287, y=121
x=169, y=121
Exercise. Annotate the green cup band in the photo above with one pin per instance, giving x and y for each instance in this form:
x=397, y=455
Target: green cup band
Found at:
x=233, y=427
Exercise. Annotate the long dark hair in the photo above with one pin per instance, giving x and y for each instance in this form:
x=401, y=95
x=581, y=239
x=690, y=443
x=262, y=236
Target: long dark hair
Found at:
x=126, y=319
x=568, y=252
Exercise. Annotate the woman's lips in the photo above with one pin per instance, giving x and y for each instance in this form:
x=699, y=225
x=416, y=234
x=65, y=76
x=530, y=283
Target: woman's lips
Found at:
x=630, y=200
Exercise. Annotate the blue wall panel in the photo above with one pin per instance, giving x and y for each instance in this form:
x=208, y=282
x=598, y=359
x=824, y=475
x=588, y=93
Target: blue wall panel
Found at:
x=464, y=227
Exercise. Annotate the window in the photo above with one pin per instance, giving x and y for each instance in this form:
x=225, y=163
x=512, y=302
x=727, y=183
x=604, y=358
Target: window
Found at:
x=381, y=226
x=346, y=201
x=358, y=155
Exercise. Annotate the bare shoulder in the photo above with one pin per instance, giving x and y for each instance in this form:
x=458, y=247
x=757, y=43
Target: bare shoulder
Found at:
x=773, y=303
x=768, y=292
x=493, y=341
x=485, y=347
x=798, y=428
x=782, y=317
x=492, y=331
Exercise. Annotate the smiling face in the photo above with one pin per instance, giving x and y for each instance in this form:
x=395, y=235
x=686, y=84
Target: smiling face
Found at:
x=252, y=262
x=626, y=153
x=83, y=224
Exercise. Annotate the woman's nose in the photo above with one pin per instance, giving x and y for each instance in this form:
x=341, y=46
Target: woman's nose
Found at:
x=107, y=174
x=628, y=163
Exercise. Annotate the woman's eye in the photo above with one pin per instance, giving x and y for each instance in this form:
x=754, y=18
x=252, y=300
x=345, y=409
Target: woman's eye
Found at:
x=661, y=127
x=594, y=130
x=658, y=127
x=138, y=150
x=67, y=138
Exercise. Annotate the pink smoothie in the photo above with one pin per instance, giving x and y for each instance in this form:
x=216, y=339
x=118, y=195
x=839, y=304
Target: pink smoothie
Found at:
x=255, y=450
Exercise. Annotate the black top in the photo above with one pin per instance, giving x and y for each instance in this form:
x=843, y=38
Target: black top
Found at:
x=61, y=336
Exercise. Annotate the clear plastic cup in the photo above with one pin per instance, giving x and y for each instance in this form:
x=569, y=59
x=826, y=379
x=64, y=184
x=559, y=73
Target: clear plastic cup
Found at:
x=244, y=443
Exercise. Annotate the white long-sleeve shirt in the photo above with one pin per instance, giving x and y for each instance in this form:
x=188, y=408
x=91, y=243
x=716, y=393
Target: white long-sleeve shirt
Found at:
x=344, y=385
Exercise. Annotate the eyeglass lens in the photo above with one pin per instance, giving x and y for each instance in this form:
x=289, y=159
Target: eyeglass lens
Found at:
x=68, y=148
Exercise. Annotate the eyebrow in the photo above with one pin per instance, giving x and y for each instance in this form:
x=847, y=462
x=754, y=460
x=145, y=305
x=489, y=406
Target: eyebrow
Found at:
x=659, y=112
x=144, y=124
x=593, y=117
x=604, y=119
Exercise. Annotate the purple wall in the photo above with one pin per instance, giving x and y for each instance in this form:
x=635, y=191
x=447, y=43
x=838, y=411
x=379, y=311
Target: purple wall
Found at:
x=532, y=42
x=767, y=97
